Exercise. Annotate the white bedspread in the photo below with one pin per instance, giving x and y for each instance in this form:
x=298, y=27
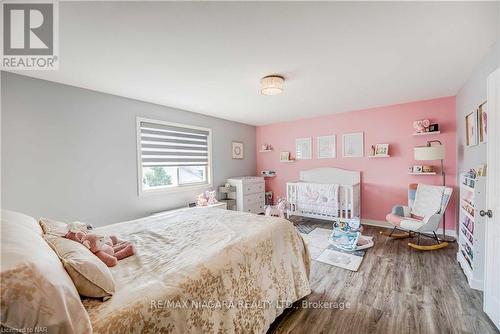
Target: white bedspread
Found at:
x=318, y=198
x=194, y=268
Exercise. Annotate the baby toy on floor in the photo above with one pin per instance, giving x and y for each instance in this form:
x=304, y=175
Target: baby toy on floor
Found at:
x=346, y=235
x=277, y=210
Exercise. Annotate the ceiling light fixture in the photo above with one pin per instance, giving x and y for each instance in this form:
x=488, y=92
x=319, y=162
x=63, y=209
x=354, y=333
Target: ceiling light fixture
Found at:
x=272, y=85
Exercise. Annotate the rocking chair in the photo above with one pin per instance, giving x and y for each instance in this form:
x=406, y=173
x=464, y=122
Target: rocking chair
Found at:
x=426, y=207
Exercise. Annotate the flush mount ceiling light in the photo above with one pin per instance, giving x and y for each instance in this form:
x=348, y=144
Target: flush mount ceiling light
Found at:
x=272, y=85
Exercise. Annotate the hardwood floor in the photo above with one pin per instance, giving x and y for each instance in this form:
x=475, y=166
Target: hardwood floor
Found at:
x=396, y=290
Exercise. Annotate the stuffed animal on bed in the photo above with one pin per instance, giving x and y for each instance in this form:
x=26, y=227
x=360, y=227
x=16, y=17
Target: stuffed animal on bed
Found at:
x=109, y=249
x=109, y=254
x=77, y=227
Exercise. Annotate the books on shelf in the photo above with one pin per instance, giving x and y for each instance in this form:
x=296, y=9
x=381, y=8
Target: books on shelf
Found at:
x=471, y=226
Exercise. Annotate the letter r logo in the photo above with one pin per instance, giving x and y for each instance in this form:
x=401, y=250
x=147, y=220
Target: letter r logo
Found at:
x=28, y=29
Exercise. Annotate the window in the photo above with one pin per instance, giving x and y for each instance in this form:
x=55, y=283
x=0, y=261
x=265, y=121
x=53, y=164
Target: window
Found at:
x=172, y=155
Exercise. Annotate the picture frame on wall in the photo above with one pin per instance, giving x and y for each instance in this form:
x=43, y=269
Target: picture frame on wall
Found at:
x=237, y=150
x=353, y=145
x=303, y=148
x=483, y=123
x=326, y=147
x=284, y=156
x=471, y=129
x=381, y=150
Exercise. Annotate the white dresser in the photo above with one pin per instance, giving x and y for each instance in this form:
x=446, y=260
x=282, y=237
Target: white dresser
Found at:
x=249, y=194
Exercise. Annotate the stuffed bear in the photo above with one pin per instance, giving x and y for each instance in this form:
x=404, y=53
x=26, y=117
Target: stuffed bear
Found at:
x=201, y=200
x=107, y=248
x=76, y=227
x=211, y=197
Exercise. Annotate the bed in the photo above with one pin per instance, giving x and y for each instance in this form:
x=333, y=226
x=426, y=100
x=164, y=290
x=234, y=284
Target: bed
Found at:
x=203, y=271
x=325, y=193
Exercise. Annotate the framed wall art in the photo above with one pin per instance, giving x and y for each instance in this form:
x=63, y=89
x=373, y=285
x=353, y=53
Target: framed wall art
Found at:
x=353, y=145
x=303, y=148
x=237, y=150
x=326, y=147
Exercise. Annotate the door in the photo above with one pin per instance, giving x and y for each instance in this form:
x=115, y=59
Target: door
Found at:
x=492, y=210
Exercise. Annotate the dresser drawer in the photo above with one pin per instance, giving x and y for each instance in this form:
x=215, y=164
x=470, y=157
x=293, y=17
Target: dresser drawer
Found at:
x=253, y=188
x=254, y=207
x=253, y=198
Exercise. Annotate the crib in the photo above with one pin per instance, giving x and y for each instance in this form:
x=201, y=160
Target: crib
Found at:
x=349, y=202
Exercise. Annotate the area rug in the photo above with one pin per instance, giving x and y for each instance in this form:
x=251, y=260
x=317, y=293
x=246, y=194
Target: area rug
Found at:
x=322, y=251
x=305, y=228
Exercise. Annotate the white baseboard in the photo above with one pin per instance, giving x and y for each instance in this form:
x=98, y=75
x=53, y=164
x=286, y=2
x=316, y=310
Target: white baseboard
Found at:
x=382, y=223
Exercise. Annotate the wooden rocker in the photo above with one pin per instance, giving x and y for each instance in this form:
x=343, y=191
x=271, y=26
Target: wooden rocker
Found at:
x=422, y=216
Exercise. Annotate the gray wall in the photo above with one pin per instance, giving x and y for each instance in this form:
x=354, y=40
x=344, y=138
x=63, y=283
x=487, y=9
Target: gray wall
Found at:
x=470, y=96
x=70, y=153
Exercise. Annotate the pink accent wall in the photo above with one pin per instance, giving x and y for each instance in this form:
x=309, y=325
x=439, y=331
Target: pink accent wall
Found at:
x=384, y=180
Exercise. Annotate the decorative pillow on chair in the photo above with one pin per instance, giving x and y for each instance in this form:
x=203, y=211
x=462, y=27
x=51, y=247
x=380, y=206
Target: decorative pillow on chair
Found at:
x=36, y=291
x=90, y=275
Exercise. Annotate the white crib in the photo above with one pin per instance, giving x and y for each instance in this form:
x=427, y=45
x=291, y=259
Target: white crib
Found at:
x=349, y=205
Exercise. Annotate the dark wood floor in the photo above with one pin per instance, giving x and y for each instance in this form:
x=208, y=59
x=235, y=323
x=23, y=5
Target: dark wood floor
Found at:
x=396, y=290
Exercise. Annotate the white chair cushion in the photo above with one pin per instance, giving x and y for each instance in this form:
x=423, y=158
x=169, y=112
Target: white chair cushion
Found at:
x=411, y=224
x=428, y=200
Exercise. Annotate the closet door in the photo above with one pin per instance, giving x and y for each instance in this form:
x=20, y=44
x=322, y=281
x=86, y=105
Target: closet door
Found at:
x=492, y=210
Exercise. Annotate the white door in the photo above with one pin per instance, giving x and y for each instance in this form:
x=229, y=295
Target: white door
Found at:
x=492, y=256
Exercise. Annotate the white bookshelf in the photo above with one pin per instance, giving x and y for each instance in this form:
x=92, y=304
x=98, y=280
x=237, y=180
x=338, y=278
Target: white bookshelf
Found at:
x=471, y=231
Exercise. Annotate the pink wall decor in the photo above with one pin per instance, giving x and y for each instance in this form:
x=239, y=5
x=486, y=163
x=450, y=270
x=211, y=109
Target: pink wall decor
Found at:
x=384, y=180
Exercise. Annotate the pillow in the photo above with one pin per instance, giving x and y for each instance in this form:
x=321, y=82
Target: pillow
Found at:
x=36, y=291
x=53, y=227
x=90, y=275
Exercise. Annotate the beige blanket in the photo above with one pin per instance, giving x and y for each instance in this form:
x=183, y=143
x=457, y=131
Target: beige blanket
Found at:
x=203, y=271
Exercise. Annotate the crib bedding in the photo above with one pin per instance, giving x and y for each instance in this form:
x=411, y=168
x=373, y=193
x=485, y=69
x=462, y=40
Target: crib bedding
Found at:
x=318, y=198
x=203, y=271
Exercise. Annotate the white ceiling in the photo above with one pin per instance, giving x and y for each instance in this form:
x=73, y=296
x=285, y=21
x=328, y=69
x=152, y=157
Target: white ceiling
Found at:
x=208, y=57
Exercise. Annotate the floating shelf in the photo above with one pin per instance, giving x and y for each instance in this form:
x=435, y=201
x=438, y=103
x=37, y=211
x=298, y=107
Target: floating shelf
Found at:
x=268, y=173
x=379, y=156
x=293, y=160
x=265, y=151
x=423, y=173
x=430, y=133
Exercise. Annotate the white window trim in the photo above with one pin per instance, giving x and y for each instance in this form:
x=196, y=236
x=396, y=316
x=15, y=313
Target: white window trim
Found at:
x=178, y=188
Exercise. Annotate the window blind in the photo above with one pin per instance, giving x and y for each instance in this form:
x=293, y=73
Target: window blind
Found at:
x=173, y=146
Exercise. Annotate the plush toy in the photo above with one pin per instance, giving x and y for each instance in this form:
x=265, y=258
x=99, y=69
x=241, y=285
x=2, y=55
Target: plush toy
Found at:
x=105, y=252
x=421, y=125
x=201, y=200
x=75, y=227
x=277, y=210
x=109, y=249
x=211, y=196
